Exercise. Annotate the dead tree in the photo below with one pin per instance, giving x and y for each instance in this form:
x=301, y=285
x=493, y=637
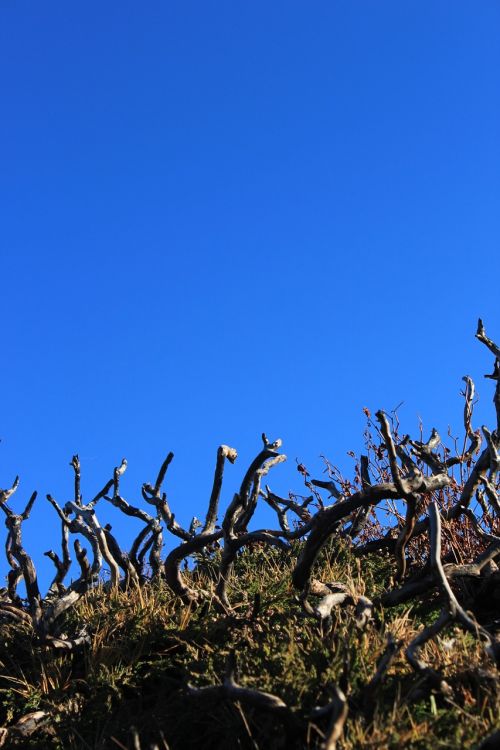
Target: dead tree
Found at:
x=414, y=474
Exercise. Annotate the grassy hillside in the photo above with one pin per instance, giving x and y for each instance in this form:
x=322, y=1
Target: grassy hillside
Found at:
x=130, y=686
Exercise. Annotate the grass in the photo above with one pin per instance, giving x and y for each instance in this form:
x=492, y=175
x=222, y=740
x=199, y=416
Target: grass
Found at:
x=130, y=682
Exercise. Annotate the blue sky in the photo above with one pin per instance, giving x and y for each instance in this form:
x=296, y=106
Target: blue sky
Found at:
x=226, y=218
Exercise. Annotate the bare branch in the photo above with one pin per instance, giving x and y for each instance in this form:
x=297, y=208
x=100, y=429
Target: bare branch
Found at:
x=172, y=564
x=101, y=493
x=491, y=494
x=92, y=522
x=78, y=526
x=27, y=511
x=81, y=556
x=231, y=547
x=151, y=495
x=494, y=455
x=24, y=561
x=391, y=451
x=223, y=452
x=257, y=699
x=369, y=691
x=62, y=566
x=455, y=609
x=326, y=521
x=270, y=450
x=481, y=335
x=129, y=510
x=433, y=677
x=425, y=451
x=25, y=728
x=405, y=534
x=75, y=463
x=245, y=516
x=161, y=474
x=117, y=474
x=468, y=394
x=121, y=558
x=328, y=485
x=339, y=711
x=6, y=494
x=494, y=349
x=164, y=511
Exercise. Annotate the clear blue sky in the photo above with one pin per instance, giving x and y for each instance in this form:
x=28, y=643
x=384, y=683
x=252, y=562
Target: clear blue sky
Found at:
x=220, y=218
